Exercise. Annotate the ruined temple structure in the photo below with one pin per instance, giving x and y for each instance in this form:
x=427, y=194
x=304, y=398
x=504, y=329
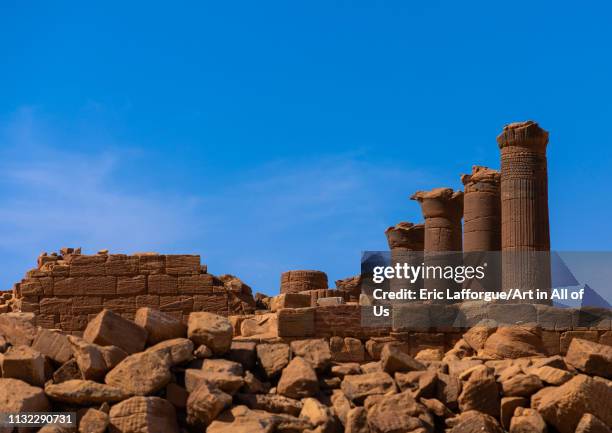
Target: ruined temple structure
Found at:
x=524, y=207
x=481, y=210
x=154, y=343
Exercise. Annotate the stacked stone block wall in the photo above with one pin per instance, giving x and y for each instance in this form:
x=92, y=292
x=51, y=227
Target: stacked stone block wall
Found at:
x=65, y=291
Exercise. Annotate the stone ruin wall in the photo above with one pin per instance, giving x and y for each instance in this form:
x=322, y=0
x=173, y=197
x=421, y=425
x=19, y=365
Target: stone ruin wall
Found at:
x=67, y=289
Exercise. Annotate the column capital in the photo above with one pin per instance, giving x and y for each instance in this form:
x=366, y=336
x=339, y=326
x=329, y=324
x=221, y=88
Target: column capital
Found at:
x=406, y=235
x=481, y=179
x=440, y=202
x=523, y=134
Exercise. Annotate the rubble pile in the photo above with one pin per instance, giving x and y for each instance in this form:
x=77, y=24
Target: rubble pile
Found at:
x=156, y=374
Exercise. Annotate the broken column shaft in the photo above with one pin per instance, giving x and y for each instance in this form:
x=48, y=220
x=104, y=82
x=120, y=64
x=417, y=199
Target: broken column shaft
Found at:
x=481, y=210
x=442, y=209
x=406, y=241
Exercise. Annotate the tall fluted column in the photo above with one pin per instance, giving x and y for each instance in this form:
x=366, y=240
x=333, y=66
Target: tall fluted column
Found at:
x=442, y=209
x=481, y=210
x=524, y=207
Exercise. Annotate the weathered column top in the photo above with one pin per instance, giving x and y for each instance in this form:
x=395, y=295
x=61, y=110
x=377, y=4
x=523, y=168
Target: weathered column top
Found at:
x=440, y=202
x=523, y=134
x=406, y=235
x=481, y=179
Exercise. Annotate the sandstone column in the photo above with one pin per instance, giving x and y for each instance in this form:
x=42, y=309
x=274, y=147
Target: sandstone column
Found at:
x=482, y=226
x=442, y=209
x=524, y=207
x=406, y=241
x=405, y=236
x=481, y=210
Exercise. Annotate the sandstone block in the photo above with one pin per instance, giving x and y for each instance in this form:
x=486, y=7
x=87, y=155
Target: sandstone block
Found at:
x=151, y=263
x=84, y=392
x=296, y=322
x=205, y=403
x=196, y=284
x=393, y=359
x=567, y=337
x=480, y=393
x=176, y=303
x=330, y=301
x=473, y=421
x=592, y=358
x=289, y=300
x=358, y=387
x=514, y=342
x=224, y=380
x=591, y=424
x=507, y=408
x=18, y=328
x=273, y=358
x=527, y=420
x=315, y=351
x=298, y=380
x=522, y=385
x=419, y=383
x=142, y=373
x=83, y=304
x=67, y=371
x=177, y=350
x=81, y=286
x=143, y=414
x=93, y=421
x=17, y=396
x=563, y=406
x=400, y=412
x=24, y=363
x=132, y=285
x=110, y=329
x=346, y=349
x=345, y=368
x=214, y=331
x=162, y=284
x=121, y=265
x=182, y=264
x=273, y=403
x=53, y=344
x=95, y=361
x=259, y=325
x=159, y=325
x=551, y=375
x=319, y=416
x=239, y=419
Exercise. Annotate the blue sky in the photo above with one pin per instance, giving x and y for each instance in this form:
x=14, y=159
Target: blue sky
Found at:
x=269, y=136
